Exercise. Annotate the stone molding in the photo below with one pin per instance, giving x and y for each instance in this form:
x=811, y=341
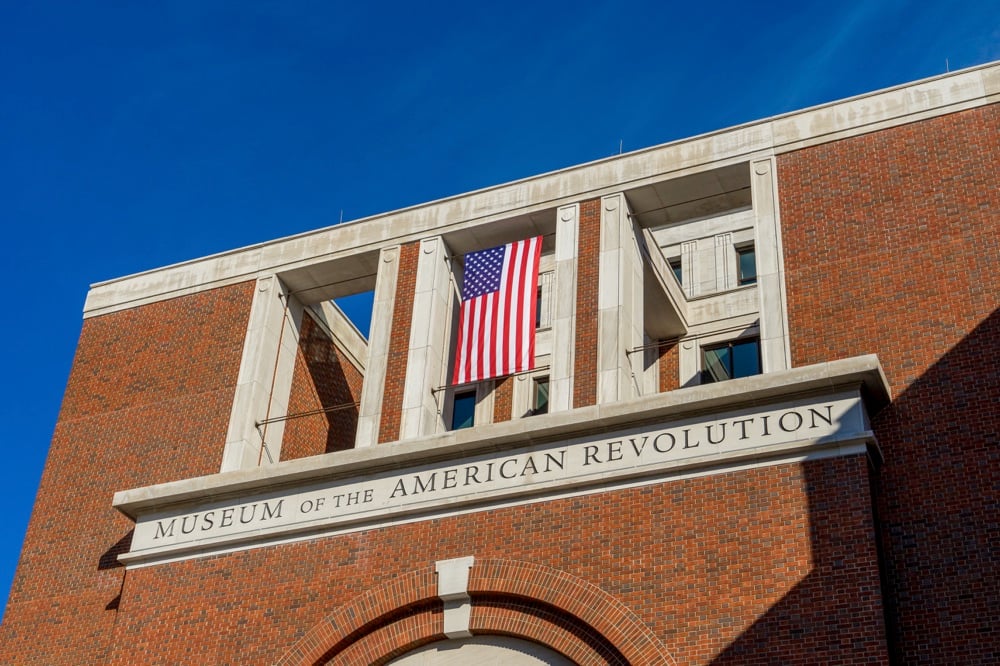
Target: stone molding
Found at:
x=422, y=478
x=891, y=107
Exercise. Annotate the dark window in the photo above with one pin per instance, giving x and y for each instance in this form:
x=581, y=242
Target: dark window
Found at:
x=540, y=396
x=738, y=358
x=675, y=266
x=538, y=307
x=463, y=410
x=746, y=259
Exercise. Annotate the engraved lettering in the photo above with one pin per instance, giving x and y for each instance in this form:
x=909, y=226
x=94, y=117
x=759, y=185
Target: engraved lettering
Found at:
x=552, y=460
x=722, y=433
x=828, y=419
x=638, y=448
x=615, y=450
x=165, y=532
x=194, y=523
x=243, y=513
x=742, y=423
x=503, y=466
x=471, y=474
x=656, y=442
x=271, y=513
x=420, y=486
x=797, y=420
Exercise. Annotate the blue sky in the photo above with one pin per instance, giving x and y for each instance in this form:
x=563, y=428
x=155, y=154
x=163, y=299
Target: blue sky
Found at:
x=135, y=135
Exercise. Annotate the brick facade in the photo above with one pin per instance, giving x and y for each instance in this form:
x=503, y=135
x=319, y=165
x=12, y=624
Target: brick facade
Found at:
x=716, y=595
x=503, y=399
x=668, y=359
x=891, y=244
x=587, y=271
x=832, y=556
x=148, y=400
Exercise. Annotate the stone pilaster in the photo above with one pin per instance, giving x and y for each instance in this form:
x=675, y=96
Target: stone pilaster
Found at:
x=564, y=309
x=775, y=349
x=620, y=304
x=380, y=333
x=265, y=378
x=428, y=353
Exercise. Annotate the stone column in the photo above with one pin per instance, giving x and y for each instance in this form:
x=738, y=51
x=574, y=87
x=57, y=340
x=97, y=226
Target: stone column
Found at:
x=620, y=304
x=775, y=349
x=380, y=333
x=564, y=309
x=265, y=378
x=430, y=338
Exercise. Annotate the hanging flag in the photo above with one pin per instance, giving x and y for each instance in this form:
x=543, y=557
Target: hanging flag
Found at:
x=496, y=328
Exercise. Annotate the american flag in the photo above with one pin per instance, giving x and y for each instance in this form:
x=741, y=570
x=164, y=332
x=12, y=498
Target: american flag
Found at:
x=496, y=329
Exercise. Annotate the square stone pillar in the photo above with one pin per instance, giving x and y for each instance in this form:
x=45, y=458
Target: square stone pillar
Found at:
x=563, y=311
x=775, y=349
x=380, y=333
x=265, y=378
x=620, y=304
x=430, y=340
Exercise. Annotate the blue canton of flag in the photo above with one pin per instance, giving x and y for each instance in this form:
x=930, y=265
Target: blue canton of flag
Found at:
x=482, y=272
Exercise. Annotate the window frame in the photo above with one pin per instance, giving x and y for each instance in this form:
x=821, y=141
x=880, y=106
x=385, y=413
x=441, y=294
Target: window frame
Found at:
x=705, y=377
x=536, y=383
x=471, y=390
x=741, y=250
x=677, y=268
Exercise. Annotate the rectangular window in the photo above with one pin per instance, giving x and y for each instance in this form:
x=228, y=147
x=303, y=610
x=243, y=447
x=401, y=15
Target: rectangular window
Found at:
x=463, y=410
x=746, y=260
x=737, y=358
x=675, y=266
x=540, y=396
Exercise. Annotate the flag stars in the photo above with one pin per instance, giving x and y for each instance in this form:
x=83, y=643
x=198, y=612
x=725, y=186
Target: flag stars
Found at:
x=483, y=271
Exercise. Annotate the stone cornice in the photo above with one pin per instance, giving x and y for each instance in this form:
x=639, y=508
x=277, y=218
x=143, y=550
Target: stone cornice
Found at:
x=829, y=122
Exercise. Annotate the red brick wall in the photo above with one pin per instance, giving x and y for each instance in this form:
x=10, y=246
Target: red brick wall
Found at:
x=148, y=401
x=892, y=242
x=508, y=597
x=669, y=361
x=503, y=399
x=587, y=269
x=323, y=379
x=768, y=565
x=399, y=344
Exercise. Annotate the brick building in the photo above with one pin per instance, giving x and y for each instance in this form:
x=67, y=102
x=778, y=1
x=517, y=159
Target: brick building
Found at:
x=761, y=428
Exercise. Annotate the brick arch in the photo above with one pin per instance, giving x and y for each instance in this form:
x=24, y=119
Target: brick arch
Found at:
x=606, y=617
x=521, y=599
x=413, y=595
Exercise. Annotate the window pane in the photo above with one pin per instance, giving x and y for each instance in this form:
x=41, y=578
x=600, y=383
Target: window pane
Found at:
x=717, y=365
x=746, y=358
x=676, y=267
x=541, y=399
x=463, y=411
x=748, y=266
